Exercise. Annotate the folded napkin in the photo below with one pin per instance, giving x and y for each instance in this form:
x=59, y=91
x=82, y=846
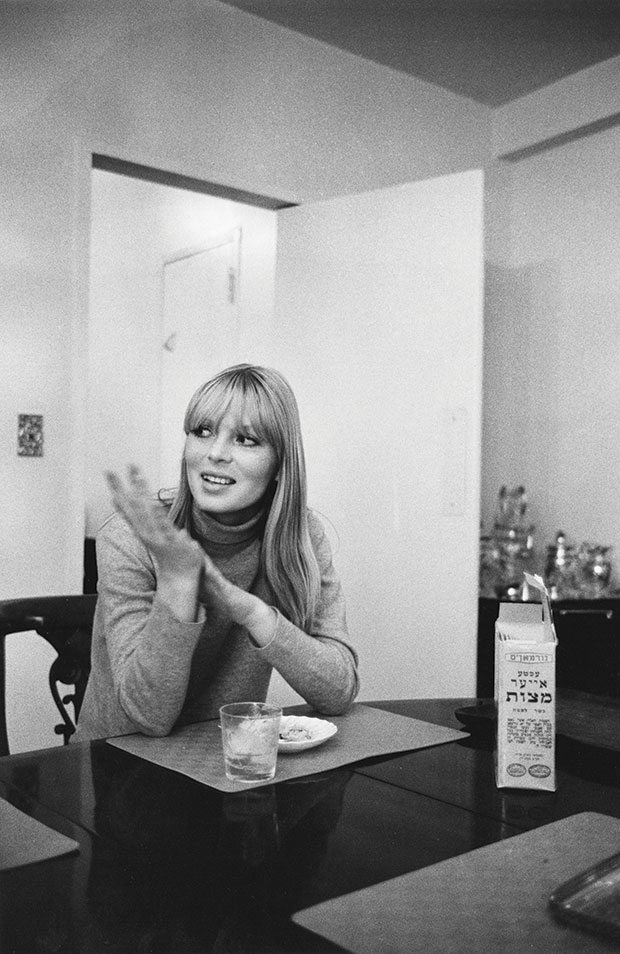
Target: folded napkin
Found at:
x=363, y=733
x=492, y=899
x=24, y=840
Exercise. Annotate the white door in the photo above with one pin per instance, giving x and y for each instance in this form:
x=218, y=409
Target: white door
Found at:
x=200, y=335
x=379, y=328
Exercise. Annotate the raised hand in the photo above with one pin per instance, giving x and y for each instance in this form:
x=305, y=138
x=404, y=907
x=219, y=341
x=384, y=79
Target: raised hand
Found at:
x=185, y=573
x=178, y=558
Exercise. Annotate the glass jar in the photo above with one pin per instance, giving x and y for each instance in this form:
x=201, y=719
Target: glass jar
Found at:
x=562, y=569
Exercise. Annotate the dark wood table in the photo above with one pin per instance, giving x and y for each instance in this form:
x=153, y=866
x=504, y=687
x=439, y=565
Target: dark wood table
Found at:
x=169, y=865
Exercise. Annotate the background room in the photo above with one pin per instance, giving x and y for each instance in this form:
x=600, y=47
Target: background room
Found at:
x=388, y=212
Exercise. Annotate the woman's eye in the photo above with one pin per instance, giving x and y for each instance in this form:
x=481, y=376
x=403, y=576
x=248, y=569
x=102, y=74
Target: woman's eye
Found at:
x=247, y=440
x=203, y=431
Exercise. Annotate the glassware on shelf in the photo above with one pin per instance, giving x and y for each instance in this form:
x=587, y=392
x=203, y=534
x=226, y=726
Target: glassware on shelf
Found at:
x=595, y=570
x=582, y=572
x=508, y=551
x=561, y=571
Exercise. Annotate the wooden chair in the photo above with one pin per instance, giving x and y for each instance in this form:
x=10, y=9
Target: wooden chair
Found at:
x=66, y=623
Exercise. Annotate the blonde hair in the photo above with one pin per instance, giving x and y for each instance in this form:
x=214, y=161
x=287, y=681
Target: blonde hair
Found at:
x=287, y=556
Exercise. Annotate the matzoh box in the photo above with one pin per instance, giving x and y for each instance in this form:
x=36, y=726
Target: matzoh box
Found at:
x=525, y=645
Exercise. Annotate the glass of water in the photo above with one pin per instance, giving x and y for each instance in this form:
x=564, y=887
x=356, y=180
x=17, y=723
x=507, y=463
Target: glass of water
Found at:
x=250, y=732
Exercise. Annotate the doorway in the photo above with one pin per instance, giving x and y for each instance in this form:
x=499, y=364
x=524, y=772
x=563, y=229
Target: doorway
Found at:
x=157, y=248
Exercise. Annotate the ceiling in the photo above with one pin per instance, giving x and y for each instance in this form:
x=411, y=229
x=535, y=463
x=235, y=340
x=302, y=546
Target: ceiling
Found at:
x=492, y=51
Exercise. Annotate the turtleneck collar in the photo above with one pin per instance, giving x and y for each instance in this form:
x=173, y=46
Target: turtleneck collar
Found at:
x=209, y=530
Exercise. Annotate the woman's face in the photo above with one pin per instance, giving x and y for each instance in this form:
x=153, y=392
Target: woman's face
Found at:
x=229, y=468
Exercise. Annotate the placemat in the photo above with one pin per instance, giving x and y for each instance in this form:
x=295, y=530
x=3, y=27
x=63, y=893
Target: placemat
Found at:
x=363, y=732
x=491, y=899
x=24, y=840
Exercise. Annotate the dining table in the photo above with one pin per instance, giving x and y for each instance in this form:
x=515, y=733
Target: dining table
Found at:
x=394, y=852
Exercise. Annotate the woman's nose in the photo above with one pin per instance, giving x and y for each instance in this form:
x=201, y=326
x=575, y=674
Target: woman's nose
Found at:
x=220, y=448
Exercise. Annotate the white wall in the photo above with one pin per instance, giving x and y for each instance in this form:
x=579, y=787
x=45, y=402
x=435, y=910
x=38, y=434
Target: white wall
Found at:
x=552, y=391
x=588, y=97
x=390, y=282
x=552, y=411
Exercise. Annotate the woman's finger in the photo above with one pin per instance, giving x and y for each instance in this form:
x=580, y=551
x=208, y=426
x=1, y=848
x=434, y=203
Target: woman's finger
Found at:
x=137, y=481
x=135, y=507
x=148, y=518
x=113, y=481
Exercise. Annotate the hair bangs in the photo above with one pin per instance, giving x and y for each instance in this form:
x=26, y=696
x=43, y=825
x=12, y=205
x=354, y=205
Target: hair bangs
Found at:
x=242, y=397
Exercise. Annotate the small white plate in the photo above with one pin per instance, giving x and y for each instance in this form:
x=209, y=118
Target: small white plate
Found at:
x=320, y=731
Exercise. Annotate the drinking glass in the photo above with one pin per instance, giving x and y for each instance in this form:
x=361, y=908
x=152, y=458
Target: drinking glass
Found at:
x=250, y=732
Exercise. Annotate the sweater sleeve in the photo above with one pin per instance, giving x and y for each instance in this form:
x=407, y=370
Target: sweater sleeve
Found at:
x=321, y=665
x=149, y=650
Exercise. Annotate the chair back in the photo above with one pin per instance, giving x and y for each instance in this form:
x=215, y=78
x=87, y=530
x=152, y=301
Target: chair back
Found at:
x=66, y=623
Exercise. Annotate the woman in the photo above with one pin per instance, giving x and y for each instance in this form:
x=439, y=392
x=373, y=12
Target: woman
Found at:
x=202, y=597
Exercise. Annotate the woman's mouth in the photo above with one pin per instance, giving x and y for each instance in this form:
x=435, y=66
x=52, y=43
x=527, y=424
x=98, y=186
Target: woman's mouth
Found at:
x=217, y=480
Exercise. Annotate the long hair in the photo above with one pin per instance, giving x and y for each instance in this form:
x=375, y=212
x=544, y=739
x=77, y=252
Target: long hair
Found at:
x=287, y=557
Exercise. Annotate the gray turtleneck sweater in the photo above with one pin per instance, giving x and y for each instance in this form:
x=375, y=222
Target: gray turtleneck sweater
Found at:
x=151, y=671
